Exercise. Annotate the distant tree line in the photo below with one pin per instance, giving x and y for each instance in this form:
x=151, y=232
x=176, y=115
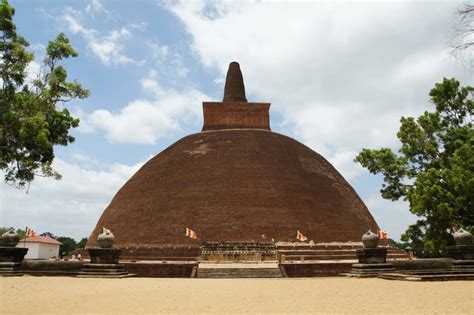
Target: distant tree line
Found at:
x=68, y=243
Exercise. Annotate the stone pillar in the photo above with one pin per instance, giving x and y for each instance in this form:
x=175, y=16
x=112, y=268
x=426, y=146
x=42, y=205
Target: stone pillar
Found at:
x=11, y=256
x=372, y=259
x=463, y=252
x=104, y=260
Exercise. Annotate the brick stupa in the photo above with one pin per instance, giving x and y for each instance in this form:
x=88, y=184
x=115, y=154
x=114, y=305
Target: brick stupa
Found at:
x=234, y=181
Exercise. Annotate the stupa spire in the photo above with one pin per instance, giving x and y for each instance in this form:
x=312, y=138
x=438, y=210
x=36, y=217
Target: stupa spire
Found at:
x=234, y=90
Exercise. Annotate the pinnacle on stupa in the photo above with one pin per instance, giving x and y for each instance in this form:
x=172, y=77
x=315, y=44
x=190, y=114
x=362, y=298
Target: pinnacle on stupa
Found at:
x=234, y=90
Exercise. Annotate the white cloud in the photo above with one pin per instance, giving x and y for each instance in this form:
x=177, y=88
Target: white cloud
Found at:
x=95, y=7
x=84, y=125
x=69, y=207
x=109, y=48
x=145, y=121
x=168, y=60
x=341, y=74
x=159, y=52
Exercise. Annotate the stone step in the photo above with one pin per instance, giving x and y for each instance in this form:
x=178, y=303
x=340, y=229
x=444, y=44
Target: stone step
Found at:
x=80, y=275
x=102, y=274
x=103, y=271
x=11, y=274
x=426, y=277
x=90, y=270
x=239, y=273
x=9, y=268
x=103, y=266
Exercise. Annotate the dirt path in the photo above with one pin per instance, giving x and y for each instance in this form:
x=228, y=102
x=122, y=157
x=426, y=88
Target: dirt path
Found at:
x=40, y=295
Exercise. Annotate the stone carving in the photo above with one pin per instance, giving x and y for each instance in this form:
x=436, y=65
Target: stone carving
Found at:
x=462, y=237
x=238, y=251
x=370, y=239
x=10, y=238
x=106, y=238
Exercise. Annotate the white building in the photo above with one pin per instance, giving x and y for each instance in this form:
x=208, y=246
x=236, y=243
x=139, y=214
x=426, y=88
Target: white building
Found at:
x=40, y=247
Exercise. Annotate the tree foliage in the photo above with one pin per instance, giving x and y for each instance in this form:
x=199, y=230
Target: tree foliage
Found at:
x=434, y=168
x=67, y=245
x=461, y=39
x=82, y=243
x=30, y=122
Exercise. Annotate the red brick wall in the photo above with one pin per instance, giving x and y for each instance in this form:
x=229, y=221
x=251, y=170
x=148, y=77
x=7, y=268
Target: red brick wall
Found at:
x=235, y=115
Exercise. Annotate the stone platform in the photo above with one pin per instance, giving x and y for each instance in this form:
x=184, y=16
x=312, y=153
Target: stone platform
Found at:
x=438, y=275
x=369, y=270
x=304, y=252
x=104, y=264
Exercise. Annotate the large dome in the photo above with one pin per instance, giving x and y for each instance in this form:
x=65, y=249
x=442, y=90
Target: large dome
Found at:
x=235, y=184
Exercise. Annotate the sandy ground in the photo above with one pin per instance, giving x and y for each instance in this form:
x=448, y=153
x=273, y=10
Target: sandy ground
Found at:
x=46, y=295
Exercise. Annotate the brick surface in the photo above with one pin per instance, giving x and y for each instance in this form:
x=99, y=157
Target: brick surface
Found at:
x=234, y=185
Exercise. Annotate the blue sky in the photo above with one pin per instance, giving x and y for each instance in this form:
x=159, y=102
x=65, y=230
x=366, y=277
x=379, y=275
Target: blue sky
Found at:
x=339, y=77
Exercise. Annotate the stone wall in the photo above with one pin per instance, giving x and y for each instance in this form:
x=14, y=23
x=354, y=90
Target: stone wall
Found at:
x=51, y=267
x=156, y=270
x=422, y=264
x=301, y=270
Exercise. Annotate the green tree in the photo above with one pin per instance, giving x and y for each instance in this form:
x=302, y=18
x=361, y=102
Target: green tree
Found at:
x=67, y=245
x=82, y=243
x=434, y=168
x=30, y=122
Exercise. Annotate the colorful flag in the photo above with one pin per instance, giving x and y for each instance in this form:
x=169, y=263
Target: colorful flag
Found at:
x=383, y=235
x=106, y=231
x=191, y=234
x=300, y=237
x=30, y=232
